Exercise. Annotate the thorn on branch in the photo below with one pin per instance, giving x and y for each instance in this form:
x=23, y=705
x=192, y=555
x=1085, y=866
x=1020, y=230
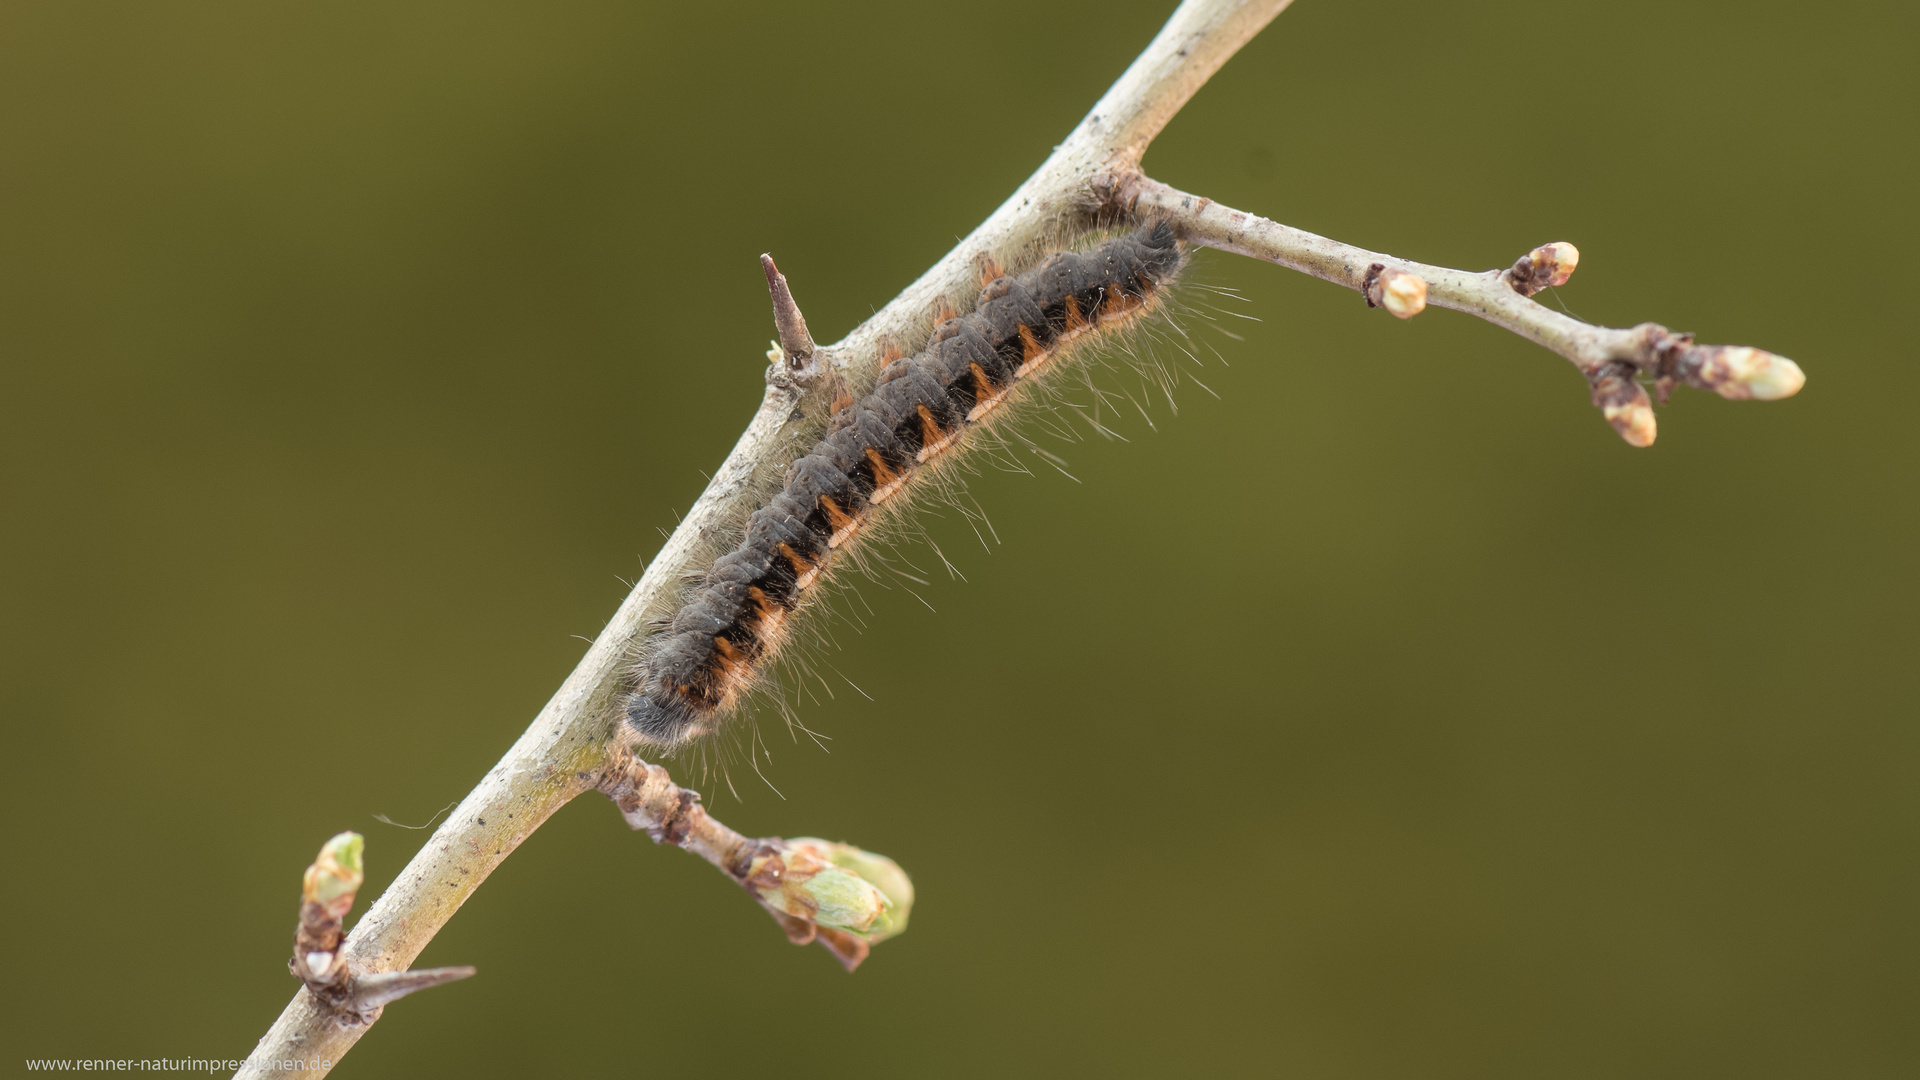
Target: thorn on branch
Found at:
x=371, y=992
x=1545, y=267
x=795, y=342
x=845, y=898
x=326, y=895
x=1401, y=293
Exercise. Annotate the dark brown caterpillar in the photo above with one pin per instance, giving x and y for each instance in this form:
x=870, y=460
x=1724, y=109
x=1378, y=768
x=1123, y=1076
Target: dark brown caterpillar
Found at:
x=730, y=626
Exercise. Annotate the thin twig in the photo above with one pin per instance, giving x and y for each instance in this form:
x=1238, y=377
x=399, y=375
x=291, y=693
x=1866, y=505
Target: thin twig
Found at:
x=1609, y=358
x=836, y=894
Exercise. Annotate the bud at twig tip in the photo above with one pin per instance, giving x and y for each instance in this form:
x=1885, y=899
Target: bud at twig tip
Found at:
x=336, y=873
x=1743, y=373
x=817, y=884
x=798, y=880
x=877, y=870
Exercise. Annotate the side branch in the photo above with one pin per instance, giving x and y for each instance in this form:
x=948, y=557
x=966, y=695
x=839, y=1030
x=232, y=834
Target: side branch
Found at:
x=843, y=897
x=1611, y=359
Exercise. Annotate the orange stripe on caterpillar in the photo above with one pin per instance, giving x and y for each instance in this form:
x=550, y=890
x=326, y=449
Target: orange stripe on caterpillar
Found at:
x=1032, y=353
x=844, y=524
x=804, y=570
x=769, y=618
x=990, y=269
x=933, y=437
x=885, y=480
x=1074, y=320
x=986, y=395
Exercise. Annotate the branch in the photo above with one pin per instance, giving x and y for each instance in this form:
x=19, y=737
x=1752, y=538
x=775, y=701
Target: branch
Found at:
x=844, y=898
x=1609, y=358
x=575, y=744
x=834, y=893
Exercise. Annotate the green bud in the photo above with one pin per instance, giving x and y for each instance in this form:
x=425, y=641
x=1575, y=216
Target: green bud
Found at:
x=843, y=900
x=875, y=871
x=798, y=881
x=336, y=874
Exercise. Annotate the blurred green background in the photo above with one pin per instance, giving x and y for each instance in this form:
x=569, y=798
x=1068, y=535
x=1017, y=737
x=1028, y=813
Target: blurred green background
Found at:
x=1385, y=717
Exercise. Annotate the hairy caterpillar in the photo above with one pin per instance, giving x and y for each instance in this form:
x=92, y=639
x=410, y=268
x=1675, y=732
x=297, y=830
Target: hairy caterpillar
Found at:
x=732, y=624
